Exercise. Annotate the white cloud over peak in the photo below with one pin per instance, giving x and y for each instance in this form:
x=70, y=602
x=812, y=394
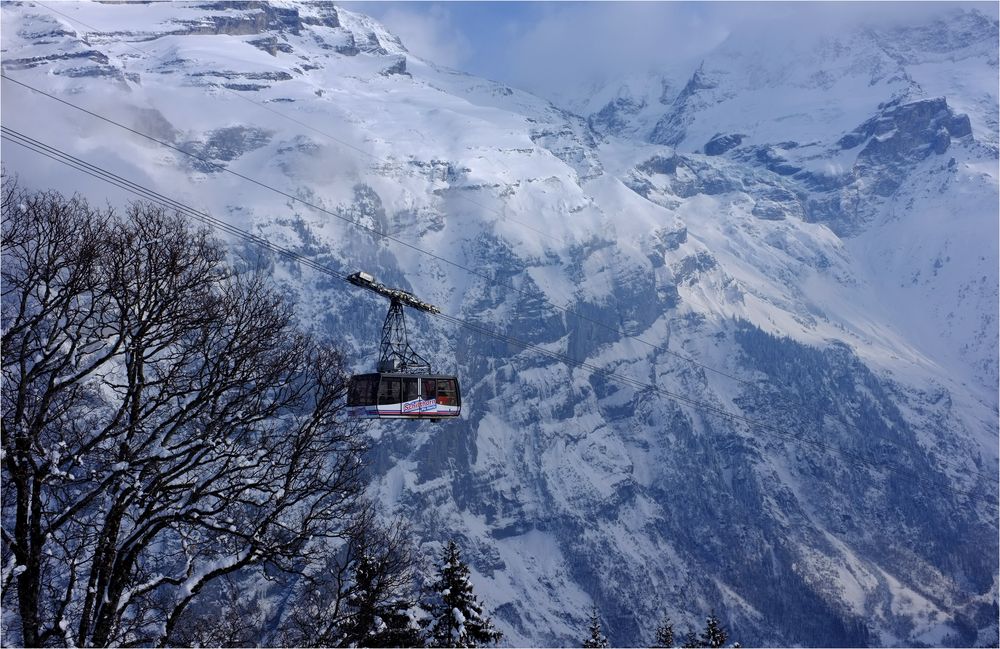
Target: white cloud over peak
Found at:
x=428, y=31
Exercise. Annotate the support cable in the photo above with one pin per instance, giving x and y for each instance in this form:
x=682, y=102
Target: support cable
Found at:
x=484, y=330
x=492, y=281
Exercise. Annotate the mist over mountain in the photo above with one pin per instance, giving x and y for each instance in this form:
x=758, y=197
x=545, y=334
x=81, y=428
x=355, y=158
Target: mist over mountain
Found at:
x=800, y=232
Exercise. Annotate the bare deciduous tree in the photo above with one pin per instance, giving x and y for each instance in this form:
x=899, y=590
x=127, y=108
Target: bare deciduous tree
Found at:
x=165, y=424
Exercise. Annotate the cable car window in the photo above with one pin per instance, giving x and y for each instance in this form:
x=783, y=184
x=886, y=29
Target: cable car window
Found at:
x=429, y=389
x=409, y=389
x=446, y=395
x=354, y=393
x=388, y=391
x=362, y=391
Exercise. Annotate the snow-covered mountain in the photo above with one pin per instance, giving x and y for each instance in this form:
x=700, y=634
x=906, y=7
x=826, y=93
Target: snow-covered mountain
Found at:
x=802, y=233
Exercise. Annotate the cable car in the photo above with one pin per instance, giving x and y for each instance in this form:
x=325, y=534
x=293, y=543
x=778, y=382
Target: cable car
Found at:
x=404, y=386
x=408, y=396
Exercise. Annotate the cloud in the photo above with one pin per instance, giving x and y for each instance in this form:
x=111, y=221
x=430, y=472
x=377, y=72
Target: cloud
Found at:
x=559, y=49
x=428, y=31
x=574, y=44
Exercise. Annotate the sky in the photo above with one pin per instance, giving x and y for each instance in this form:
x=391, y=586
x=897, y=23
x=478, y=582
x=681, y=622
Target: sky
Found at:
x=556, y=48
x=546, y=47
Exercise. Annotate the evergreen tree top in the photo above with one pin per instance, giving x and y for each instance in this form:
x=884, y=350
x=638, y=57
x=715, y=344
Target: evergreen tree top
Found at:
x=596, y=639
x=456, y=615
x=714, y=635
x=664, y=633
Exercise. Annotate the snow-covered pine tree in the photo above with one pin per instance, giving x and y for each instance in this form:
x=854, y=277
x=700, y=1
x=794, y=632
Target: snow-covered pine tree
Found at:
x=456, y=616
x=363, y=602
x=400, y=629
x=596, y=637
x=377, y=619
x=713, y=635
x=664, y=633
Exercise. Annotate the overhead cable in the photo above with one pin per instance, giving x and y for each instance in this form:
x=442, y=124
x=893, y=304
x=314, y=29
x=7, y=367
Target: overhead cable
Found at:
x=492, y=280
x=146, y=193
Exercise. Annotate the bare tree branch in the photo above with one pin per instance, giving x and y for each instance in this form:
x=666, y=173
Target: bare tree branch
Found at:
x=165, y=425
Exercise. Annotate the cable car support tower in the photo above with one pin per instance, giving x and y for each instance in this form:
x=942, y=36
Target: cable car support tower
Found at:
x=395, y=352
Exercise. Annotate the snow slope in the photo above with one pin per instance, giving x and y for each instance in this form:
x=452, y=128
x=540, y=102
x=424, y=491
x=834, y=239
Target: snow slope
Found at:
x=826, y=268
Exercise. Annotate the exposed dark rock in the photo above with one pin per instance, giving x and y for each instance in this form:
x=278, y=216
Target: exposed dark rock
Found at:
x=348, y=48
x=898, y=137
x=671, y=128
x=328, y=14
x=776, y=203
x=807, y=389
x=271, y=45
x=698, y=81
x=93, y=55
x=672, y=240
x=226, y=144
x=820, y=182
x=668, y=131
x=639, y=185
x=255, y=17
x=768, y=210
x=441, y=170
x=660, y=165
x=663, y=241
x=367, y=209
x=399, y=67
x=283, y=19
x=907, y=130
x=249, y=87
x=574, y=143
x=235, y=25
x=251, y=76
x=614, y=116
x=707, y=180
x=720, y=143
x=105, y=71
x=690, y=267
x=832, y=210
x=46, y=36
x=371, y=45
x=774, y=161
x=666, y=92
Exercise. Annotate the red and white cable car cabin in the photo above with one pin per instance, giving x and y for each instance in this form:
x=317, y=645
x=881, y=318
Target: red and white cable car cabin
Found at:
x=393, y=395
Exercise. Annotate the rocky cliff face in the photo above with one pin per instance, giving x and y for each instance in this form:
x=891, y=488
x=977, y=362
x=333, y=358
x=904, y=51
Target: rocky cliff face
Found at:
x=805, y=239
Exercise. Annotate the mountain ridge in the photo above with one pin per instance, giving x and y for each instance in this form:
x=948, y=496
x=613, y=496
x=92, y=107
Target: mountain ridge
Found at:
x=711, y=256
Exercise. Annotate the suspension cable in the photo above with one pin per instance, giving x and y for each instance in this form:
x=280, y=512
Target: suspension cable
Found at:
x=640, y=386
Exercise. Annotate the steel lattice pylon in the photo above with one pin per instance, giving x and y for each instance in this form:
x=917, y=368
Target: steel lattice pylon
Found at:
x=395, y=352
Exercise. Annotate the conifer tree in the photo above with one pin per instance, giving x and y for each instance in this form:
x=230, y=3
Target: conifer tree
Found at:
x=691, y=640
x=596, y=637
x=363, y=601
x=378, y=618
x=665, y=633
x=456, y=616
x=713, y=635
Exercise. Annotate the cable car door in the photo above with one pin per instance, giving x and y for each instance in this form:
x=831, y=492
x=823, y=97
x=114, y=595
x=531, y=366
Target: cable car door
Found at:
x=389, y=396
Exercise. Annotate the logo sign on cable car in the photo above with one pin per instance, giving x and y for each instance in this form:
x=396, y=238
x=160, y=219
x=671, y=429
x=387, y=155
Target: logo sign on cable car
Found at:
x=420, y=405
